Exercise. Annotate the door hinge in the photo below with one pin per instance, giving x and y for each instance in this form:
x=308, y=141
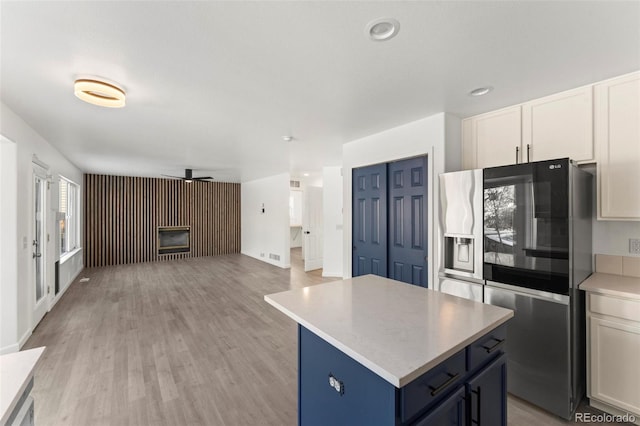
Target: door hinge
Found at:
x=47, y=237
x=48, y=289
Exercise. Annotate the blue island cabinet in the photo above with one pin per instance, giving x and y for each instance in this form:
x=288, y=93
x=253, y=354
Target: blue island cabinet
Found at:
x=469, y=387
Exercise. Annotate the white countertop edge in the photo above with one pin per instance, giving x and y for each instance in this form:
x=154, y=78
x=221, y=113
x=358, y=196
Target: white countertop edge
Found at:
x=389, y=377
x=428, y=366
x=32, y=356
x=609, y=292
x=611, y=284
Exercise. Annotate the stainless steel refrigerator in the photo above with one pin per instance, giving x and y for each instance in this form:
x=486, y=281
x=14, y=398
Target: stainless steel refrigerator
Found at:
x=536, y=251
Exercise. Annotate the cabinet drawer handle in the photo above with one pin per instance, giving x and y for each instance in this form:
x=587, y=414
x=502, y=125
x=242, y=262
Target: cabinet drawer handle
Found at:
x=490, y=349
x=476, y=421
x=452, y=378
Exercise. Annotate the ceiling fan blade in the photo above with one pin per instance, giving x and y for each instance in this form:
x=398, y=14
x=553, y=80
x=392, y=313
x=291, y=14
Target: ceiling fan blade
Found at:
x=202, y=178
x=173, y=177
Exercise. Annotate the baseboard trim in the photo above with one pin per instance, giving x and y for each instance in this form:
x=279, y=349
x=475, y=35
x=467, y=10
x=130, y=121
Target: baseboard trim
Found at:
x=9, y=349
x=335, y=274
x=25, y=337
x=614, y=411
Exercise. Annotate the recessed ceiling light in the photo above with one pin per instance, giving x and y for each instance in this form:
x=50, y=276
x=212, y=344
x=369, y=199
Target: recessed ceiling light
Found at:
x=382, y=29
x=305, y=174
x=99, y=93
x=287, y=138
x=480, y=91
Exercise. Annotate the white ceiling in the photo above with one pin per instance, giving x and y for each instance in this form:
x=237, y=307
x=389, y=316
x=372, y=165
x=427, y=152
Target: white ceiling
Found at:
x=215, y=85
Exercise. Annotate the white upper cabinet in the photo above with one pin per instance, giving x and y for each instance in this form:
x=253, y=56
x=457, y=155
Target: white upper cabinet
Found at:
x=559, y=126
x=617, y=142
x=492, y=139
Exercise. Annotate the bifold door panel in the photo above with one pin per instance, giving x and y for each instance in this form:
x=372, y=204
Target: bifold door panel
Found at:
x=390, y=220
x=370, y=220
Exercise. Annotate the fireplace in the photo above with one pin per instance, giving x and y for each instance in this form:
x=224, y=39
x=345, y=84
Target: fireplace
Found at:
x=174, y=239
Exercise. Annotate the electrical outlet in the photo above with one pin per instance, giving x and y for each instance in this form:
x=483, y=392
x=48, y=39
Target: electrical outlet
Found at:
x=261, y=254
x=634, y=245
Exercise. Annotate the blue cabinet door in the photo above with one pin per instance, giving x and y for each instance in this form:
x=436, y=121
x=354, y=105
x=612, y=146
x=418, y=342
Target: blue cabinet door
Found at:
x=370, y=220
x=450, y=412
x=488, y=394
x=407, y=204
x=336, y=390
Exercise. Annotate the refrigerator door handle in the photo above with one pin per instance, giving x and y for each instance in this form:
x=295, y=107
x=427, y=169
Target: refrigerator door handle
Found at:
x=528, y=292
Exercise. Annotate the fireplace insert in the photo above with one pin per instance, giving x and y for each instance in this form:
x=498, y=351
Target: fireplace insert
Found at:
x=174, y=239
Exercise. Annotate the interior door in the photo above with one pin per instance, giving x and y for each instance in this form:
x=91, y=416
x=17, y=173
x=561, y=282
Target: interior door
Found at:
x=312, y=225
x=41, y=304
x=369, y=255
x=408, y=221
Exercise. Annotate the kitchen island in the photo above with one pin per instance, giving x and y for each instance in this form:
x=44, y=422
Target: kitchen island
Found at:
x=377, y=351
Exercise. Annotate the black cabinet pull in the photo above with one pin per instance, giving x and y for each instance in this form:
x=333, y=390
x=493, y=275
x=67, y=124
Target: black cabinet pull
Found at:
x=528, y=149
x=452, y=378
x=478, y=413
x=490, y=349
x=517, y=151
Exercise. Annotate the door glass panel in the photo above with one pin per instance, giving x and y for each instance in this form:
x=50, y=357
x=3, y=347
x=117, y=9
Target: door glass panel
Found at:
x=37, y=242
x=526, y=226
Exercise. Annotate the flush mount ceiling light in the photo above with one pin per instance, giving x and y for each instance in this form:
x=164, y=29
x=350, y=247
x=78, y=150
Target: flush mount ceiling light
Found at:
x=99, y=93
x=287, y=138
x=480, y=91
x=382, y=29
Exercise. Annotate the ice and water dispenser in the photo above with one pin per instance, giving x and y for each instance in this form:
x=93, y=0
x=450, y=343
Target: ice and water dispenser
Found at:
x=459, y=254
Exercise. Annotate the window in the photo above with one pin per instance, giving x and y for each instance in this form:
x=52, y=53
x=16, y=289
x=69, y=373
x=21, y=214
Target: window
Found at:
x=69, y=218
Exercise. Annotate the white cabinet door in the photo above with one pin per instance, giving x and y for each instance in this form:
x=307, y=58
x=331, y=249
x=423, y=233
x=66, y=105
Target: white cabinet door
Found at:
x=559, y=126
x=614, y=372
x=617, y=141
x=495, y=137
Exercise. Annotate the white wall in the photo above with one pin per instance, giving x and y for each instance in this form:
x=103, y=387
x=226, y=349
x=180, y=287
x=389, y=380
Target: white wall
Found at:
x=29, y=142
x=421, y=137
x=453, y=143
x=266, y=233
x=8, y=239
x=332, y=264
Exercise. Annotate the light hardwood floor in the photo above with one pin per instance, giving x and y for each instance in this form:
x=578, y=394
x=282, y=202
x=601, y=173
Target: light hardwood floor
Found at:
x=188, y=342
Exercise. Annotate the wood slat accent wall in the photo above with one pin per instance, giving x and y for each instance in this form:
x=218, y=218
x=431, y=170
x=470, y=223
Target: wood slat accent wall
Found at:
x=122, y=215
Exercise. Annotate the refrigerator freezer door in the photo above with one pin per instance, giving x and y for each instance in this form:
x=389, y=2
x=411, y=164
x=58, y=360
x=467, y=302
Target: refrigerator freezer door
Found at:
x=460, y=288
x=538, y=348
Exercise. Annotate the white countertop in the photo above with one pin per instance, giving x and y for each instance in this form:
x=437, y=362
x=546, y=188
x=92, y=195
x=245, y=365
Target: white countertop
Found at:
x=612, y=285
x=397, y=330
x=15, y=371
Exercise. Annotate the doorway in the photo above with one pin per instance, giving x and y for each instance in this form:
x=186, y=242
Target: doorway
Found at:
x=39, y=244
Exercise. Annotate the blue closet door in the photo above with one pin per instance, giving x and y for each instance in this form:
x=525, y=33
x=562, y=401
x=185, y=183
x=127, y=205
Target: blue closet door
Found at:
x=407, y=205
x=370, y=220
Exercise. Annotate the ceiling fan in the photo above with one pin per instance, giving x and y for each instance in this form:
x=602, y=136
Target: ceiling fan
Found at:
x=188, y=176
